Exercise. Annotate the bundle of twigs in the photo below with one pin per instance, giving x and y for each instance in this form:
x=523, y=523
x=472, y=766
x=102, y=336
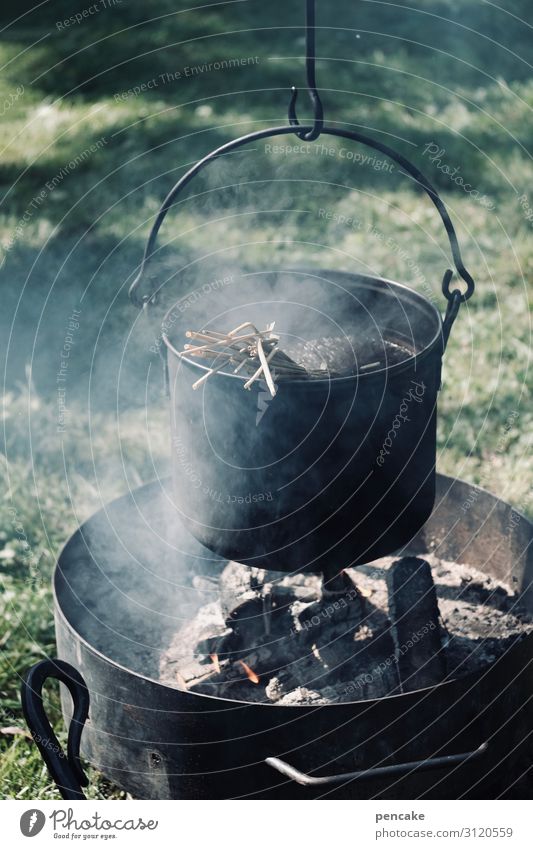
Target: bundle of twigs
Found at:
x=246, y=347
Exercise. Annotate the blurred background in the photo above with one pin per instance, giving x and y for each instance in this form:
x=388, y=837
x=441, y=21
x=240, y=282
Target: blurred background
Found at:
x=104, y=105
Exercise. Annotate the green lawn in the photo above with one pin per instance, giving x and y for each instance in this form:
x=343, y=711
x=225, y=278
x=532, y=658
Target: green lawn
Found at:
x=85, y=162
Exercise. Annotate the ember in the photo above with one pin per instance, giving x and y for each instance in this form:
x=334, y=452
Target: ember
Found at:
x=250, y=674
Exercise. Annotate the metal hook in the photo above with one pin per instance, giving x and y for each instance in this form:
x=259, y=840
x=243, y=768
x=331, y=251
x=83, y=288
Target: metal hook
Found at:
x=309, y=135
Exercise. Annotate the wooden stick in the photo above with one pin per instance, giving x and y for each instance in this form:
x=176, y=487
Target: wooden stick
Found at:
x=256, y=352
x=242, y=326
x=190, y=349
x=226, y=341
x=244, y=362
x=216, y=356
x=207, y=335
x=256, y=374
x=208, y=374
x=266, y=370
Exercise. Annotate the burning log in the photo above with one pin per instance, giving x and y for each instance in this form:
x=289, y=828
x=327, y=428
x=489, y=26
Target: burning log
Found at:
x=240, y=588
x=249, y=599
x=337, y=607
x=304, y=650
x=304, y=644
x=415, y=619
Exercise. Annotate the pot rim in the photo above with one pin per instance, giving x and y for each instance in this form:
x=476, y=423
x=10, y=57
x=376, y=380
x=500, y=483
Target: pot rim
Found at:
x=367, y=279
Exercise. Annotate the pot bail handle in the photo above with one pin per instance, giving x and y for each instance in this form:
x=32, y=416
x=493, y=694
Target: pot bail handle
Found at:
x=394, y=770
x=455, y=297
x=66, y=770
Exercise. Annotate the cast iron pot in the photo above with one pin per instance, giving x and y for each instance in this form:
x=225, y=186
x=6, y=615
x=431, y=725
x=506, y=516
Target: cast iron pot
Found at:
x=332, y=472
x=120, y=590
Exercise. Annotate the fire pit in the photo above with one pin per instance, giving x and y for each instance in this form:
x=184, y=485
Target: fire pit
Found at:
x=125, y=585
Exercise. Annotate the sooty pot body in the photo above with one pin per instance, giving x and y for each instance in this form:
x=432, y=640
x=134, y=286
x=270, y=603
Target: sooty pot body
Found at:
x=328, y=473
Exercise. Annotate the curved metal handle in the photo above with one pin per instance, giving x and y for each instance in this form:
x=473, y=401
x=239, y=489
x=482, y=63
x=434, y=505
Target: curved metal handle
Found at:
x=454, y=297
x=444, y=762
x=66, y=770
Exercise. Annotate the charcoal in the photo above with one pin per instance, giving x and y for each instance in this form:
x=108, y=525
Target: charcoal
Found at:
x=238, y=587
x=348, y=654
x=415, y=620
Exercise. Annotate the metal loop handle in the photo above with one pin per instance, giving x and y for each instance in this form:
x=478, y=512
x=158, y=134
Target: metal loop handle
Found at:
x=452, y=309
x=394, y=770
x=66, y=771
x=452, y=295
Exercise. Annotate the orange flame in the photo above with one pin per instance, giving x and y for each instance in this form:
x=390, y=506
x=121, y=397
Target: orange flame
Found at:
x=216, y=664
x=250, y=674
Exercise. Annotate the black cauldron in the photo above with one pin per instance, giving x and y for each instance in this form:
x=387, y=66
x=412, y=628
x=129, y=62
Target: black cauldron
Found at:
x=328, y=473
x=336, y=471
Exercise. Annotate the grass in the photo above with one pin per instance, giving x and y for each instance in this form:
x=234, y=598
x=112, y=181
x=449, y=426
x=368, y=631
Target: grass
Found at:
x=454, y=75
